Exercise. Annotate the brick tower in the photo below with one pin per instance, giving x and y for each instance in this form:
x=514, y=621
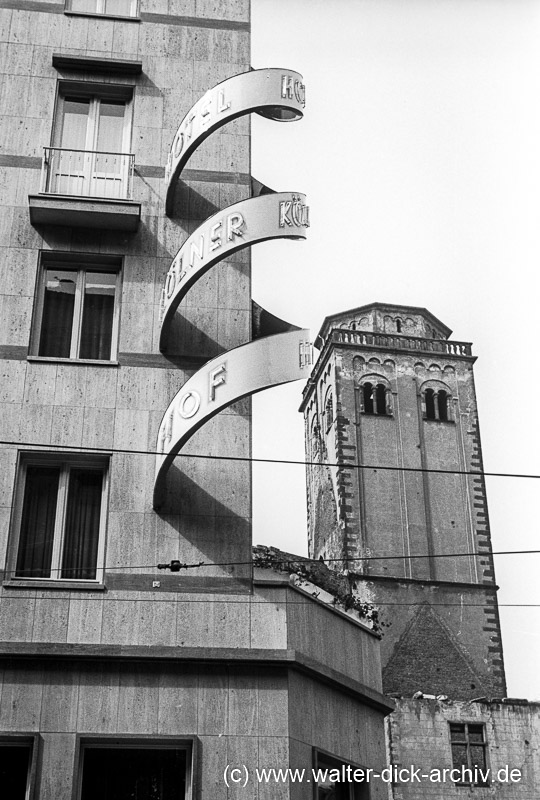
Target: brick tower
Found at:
x=390, y=391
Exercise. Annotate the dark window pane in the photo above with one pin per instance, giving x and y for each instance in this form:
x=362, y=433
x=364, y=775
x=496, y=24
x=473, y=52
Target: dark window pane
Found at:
x=442, y=400
x=14, y=763
x=134, y=774
x=459, y=755
x=330, y=785
x=430, y=404
x=478, y=756
x=58, y=307
x=367, y=390
x=82, y=524
x=37, y=524
x=476, y=733
x=457, y=732
x=381, y=398
x=98, y=314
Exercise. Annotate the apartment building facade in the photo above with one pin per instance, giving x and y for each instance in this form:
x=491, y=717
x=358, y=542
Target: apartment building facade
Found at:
x=119, y=678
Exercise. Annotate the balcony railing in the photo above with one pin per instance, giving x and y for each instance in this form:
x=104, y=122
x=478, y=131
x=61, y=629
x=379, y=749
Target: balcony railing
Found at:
x=87, y=173
x=343, y=336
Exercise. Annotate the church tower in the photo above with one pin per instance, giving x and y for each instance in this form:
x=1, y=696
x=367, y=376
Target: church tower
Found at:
x=393, y=393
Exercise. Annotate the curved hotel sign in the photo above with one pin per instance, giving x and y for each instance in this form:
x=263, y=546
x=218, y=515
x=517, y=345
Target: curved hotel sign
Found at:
x=278, y=94
x=225, y=379
x=270, y=216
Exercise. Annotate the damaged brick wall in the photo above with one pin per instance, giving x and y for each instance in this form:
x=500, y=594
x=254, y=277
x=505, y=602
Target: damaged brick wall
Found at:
x=418, y=735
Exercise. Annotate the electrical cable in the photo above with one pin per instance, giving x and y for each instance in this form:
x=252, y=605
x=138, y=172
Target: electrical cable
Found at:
x=299, y=560
x=155, y=599
x=338, y=464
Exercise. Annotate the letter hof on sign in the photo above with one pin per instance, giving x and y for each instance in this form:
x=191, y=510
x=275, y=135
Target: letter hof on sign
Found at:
x=240, y=372
x=277, y=94
x=281, y=215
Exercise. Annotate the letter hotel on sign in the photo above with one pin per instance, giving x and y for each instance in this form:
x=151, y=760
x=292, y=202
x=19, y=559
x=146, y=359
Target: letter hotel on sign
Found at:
x=270, y=216
x=278, y=94
x=225, y=379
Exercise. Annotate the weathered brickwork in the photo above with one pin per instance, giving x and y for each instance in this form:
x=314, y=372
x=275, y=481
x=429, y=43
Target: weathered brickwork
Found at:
x=404, y=408
x=418, y=735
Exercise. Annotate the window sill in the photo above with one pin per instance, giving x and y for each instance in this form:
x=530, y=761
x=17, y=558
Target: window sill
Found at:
x=440, y=422
x=94, y=362
x=123, y=18
x=378, y=416
x=59, y=585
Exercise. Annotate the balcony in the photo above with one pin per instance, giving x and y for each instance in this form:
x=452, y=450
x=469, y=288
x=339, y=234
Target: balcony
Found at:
x=85, y=188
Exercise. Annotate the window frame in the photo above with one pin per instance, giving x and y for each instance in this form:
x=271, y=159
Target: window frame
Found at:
x=136, y=742
x=329, y=412
x=375, y=382
x=357, y=791
x=431, y=409
x=81, y=263
x=31, y=741
x=466, y=742
x=65, y=461
x=135, y=15
x=95, y=92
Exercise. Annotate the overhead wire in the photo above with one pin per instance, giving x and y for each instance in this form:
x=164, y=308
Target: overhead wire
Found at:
x=155, y=599
x=303, y=560
x=299, y=560
x=254, y=460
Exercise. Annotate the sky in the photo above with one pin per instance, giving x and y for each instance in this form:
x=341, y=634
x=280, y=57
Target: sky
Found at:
x=419, y=153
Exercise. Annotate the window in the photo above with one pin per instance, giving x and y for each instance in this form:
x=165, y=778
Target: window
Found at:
x=337, y=780
x=133, y=772
x=375, y=399
x=468, y=744
x=60, y=516
x=15, y=764
x=436, y=405
x=442, y=405
x=91, y=140
x=77, y=308
x=329, y=411
x=113, y=8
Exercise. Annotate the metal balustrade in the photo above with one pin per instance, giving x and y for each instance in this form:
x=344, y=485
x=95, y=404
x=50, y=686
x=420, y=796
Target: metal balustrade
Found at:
x=87, y=173
x=344, y=336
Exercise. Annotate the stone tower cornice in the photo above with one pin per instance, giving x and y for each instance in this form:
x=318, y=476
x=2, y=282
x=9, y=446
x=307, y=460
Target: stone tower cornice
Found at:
x=334, y=320
x=366, y=341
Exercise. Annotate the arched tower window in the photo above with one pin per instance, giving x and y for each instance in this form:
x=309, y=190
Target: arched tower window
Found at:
x=398, y=325
x=437, y=405
x=315, y=440
x=329, y=410
x=376, y=399
x=430, y=404
x=367, y=392
x=442, y=403
x=380, y=398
